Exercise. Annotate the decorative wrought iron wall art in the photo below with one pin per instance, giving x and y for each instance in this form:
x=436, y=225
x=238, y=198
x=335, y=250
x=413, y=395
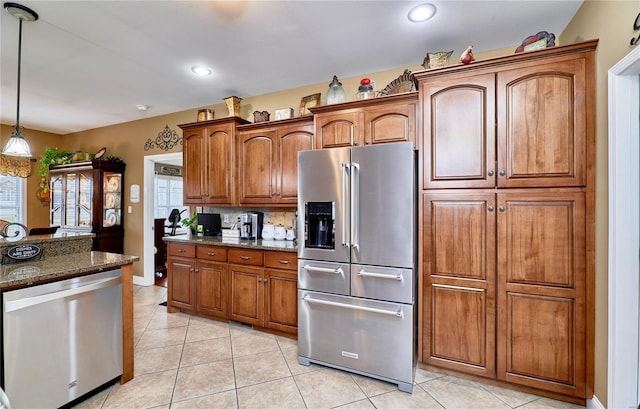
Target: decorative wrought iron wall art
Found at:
x=166, y=139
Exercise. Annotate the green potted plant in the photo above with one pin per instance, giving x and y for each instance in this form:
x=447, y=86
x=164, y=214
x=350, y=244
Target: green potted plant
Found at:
x=190, y=222
x=51, y=156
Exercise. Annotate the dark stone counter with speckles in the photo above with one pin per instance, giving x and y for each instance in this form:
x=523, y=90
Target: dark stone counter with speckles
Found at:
x=64, y=255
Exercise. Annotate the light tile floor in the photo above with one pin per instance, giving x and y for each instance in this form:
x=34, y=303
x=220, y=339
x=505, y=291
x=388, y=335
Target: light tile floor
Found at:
x=182, y=361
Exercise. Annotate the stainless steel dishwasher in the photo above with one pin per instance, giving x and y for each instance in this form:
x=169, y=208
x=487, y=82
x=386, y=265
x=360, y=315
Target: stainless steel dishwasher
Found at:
x=62, y=339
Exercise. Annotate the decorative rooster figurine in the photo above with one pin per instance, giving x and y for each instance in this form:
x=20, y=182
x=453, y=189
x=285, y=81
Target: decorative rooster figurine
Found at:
x=467, y=55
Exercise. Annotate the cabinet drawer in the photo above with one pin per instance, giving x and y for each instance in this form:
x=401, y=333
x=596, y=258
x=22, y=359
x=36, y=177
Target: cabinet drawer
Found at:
x=281, y=259
x=244, y=256
x=213, y=253
x=182, y=250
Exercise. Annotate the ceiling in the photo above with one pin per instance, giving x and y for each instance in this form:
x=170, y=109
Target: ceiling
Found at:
x=87, y=64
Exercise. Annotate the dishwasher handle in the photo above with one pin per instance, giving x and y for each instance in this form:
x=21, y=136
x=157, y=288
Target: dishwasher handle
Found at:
x=16, y=305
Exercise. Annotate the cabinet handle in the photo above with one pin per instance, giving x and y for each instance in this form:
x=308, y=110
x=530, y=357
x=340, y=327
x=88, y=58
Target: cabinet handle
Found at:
x=491, y=172
x=209, y=253
x=277, y=193
x=283, y=261
x=245, y=257
x=501, y=208
x=502, y=172
x=181, y=250
x=490, y=208
x=192, y=270
x=273, y=193
x=196, y=270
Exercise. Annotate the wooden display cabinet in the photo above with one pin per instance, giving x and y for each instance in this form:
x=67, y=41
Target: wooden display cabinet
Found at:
x=89, y=197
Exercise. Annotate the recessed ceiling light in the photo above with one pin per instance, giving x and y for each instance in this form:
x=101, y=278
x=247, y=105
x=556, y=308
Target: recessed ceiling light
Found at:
x=422, y=12
x=142, y=107
x=200, y=70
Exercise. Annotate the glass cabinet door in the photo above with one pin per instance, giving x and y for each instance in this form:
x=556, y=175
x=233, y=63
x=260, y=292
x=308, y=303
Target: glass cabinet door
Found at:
x=84, y=200
x=71, y=218
x=56, y=200
x=112, y=208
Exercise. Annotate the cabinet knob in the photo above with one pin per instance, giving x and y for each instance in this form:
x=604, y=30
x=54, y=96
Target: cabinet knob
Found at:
x=245, y=257
x=210, y=253
x=367, y=142
x=491, y=172
x=273, y=193
x=501, y=208
x=502, y=172
x=490, y=208
x=181, y=250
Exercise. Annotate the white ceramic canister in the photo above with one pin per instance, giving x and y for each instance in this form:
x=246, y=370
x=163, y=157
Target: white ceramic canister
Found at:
x=280, y=233
x=290, y=235
x=268, y=231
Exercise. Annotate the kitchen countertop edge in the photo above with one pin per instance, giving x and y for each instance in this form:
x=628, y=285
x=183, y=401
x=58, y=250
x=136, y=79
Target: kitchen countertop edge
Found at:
x=270, y=245
x=25, y=274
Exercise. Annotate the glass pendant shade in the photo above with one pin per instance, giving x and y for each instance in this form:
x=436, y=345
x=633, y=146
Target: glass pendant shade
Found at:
x=16, y=145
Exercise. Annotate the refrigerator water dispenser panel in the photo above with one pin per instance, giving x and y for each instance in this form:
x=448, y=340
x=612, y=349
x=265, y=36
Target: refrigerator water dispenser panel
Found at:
x=319, y=229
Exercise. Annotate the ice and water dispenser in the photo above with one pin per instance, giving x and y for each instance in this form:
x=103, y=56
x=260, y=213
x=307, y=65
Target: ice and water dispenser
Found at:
x=319, y=225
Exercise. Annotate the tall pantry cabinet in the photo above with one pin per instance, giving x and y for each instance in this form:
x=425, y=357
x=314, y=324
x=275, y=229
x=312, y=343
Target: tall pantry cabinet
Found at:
x=507, y=216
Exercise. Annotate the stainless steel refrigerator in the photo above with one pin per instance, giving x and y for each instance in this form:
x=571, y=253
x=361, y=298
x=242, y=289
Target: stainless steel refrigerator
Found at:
x=357, y=260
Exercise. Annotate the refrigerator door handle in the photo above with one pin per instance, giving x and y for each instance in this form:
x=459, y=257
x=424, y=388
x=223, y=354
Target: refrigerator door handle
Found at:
x=364, y=273
x=323, y=270
x=354, y=307
x=355, y=196
x=345, y=183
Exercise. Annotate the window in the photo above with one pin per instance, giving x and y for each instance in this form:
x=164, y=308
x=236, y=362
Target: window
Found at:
x=12, y=199
x=168, y=192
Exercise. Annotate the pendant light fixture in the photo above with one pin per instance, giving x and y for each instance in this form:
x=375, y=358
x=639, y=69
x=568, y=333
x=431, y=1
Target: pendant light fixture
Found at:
x=17, y=145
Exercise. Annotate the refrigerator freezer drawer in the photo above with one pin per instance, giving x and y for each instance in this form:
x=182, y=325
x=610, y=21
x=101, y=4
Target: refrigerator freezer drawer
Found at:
x=369, y=337
x=323, y=276
x=382, y=283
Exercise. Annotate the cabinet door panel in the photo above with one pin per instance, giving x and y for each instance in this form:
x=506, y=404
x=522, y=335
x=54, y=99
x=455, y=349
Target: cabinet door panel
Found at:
x=542, y=125
x=281, y=301
x=390, y=123
x=220, y=163
x=459, y=282
x=459, y=133
x=542, y=290
x=245, y=294
x=540, y=330
x=292, y=140
x=458, y=325
x=543, y=239
x=181, y=283
x=257, y=167
x=192, y=160
x=334, y=130
x=212, y=288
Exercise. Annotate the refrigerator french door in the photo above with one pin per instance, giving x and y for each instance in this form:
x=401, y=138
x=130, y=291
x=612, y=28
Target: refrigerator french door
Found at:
x=357, y=254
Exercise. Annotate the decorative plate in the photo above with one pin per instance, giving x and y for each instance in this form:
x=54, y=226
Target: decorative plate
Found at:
x=404, y=83
x=100, y=153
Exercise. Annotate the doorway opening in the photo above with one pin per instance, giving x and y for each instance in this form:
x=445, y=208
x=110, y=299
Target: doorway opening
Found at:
x=623, y=378
x=149, y=251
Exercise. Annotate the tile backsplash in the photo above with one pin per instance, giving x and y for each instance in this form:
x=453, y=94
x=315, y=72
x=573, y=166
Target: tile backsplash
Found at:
x=277, y=217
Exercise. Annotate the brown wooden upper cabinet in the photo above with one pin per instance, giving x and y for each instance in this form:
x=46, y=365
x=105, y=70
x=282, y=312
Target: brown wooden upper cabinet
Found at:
x=516, y=125
x=268, y=160
x=208, y=161
x=366, y=122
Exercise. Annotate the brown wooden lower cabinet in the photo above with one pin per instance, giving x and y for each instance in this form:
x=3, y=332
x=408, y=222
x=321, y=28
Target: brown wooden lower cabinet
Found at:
x=504, y=289
x=247, y=285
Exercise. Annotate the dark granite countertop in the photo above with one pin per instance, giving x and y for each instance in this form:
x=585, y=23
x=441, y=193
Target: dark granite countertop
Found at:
x=59, y=267
x=277, y=245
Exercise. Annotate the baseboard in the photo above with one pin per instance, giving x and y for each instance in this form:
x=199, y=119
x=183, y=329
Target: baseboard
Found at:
x=594, y=403
x=138, y=280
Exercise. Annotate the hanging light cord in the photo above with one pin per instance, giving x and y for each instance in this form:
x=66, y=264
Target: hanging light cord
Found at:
x=19, y=69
